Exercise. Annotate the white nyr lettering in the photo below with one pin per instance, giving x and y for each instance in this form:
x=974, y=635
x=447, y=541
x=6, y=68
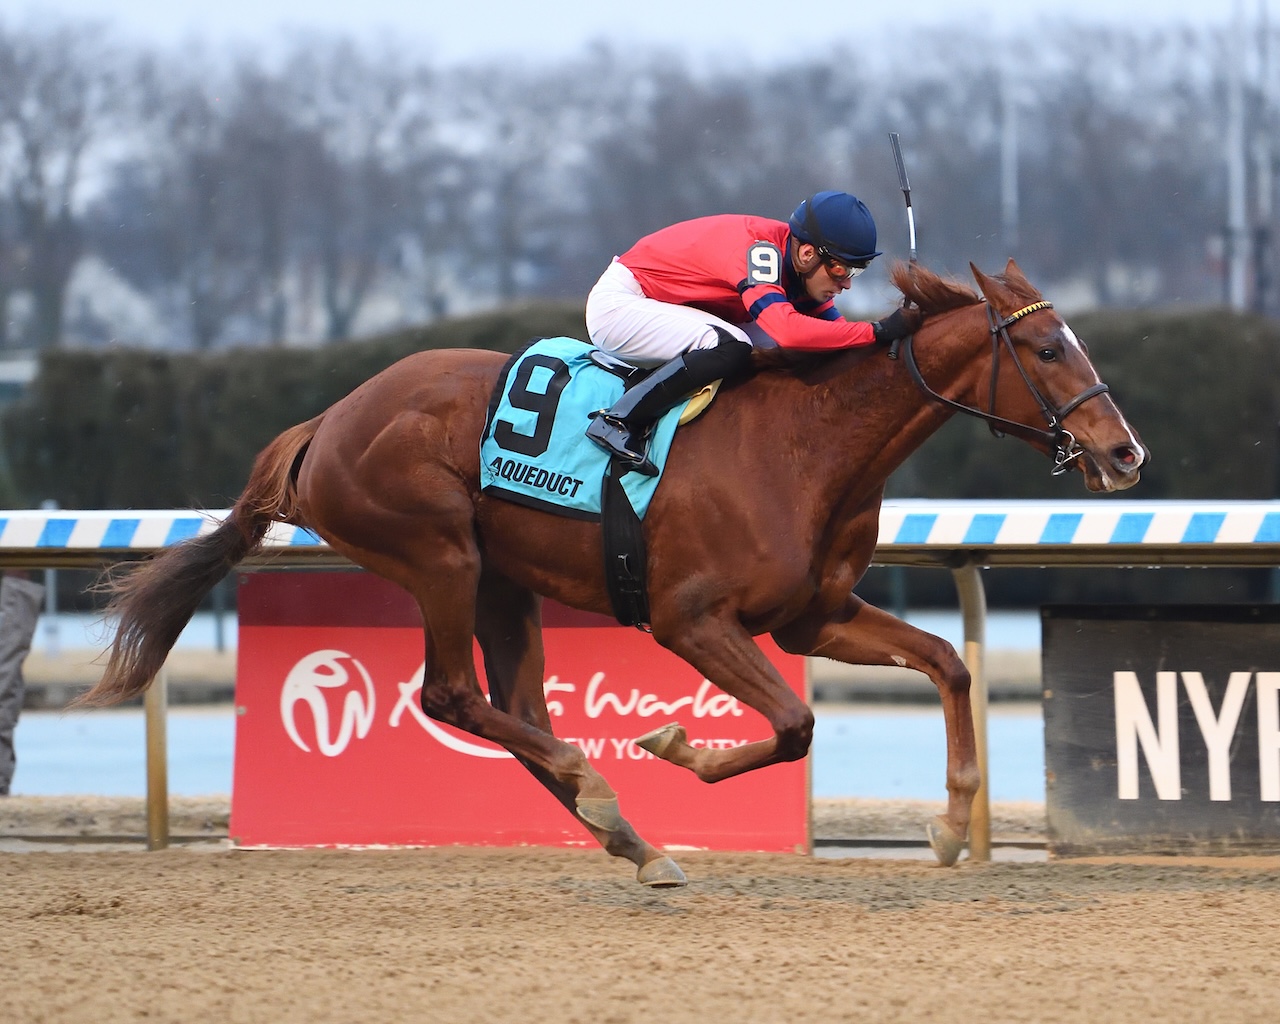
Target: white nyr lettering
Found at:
x=1159, y=741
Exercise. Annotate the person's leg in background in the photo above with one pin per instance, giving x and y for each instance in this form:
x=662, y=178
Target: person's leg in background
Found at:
x=20, y=602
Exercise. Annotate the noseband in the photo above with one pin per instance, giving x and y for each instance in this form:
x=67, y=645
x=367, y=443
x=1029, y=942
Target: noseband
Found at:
x=1060, y=440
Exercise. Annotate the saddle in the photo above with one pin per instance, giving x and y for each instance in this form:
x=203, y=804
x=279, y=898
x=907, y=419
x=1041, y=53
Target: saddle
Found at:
x=534, y=452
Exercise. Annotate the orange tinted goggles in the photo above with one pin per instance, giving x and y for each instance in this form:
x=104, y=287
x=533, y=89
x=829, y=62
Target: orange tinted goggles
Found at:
x=842, y=270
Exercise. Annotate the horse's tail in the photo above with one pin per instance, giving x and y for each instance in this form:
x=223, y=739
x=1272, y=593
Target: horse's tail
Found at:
x=153, y=600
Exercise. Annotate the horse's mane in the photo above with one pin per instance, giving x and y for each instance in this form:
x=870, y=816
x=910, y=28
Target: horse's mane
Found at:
x=931, y=292
x=920, y=287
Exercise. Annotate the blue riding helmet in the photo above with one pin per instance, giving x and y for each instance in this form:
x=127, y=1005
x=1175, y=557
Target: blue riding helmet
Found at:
x=838, y=223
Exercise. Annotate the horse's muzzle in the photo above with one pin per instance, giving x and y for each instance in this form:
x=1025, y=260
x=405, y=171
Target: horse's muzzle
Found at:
x=1118, y=469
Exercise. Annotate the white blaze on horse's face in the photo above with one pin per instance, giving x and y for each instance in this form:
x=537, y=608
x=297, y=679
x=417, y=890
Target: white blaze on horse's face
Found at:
x=1071, y=339
x=1110, y=472
x=1085, y=429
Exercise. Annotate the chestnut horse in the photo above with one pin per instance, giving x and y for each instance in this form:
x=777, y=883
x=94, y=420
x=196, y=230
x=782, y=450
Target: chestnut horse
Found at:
x=786, y=468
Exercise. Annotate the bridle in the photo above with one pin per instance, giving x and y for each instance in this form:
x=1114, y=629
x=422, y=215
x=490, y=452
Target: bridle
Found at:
x=1060, y=440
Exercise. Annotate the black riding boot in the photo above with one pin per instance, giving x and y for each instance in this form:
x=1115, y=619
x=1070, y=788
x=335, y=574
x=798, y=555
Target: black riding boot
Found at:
x=621, y=430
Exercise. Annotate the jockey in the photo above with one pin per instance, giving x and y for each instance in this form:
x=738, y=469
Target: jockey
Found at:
x=693, y=298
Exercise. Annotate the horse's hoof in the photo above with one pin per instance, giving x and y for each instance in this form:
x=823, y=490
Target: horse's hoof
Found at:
x=660, y=740
x=662, y=873
x=946, y=842
x=603, y=813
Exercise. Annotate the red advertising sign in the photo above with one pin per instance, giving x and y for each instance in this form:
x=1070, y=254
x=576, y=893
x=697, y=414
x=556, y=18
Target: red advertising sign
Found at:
x=333, y=748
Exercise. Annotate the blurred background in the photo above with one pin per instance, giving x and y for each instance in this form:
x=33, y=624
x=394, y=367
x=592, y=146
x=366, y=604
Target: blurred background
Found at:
x=216, y=219
x=194, y=177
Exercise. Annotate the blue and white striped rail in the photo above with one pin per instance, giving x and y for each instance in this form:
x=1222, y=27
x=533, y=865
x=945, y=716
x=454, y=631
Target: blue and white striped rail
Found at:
x=912, y=532
x=45, y=537
x=1085, y=532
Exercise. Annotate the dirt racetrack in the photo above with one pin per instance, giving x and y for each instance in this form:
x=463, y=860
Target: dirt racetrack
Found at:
x=206, y=933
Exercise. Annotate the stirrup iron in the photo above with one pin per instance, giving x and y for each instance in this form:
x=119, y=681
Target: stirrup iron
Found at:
x=616, y=437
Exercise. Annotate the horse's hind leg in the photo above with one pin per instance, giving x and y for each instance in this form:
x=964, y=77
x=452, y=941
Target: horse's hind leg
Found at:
x=508, y=626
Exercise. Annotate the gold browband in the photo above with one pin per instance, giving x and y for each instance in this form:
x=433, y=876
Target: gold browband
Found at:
x=1025, y=310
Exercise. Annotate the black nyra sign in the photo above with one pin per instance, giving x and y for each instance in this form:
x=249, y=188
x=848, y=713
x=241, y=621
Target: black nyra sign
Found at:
x=1162, y=728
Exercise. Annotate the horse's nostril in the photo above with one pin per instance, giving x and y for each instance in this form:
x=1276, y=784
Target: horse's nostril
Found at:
x=1125, y=456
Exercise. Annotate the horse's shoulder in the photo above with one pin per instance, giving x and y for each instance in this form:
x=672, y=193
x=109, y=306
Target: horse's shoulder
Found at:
x=777, y=364
x=785, y=361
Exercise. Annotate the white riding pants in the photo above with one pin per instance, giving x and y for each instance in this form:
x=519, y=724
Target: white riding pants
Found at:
x=629, y=326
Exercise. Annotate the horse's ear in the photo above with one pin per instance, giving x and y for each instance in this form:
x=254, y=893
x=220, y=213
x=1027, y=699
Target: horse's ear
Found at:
x=995, y=291
x=1014, y=275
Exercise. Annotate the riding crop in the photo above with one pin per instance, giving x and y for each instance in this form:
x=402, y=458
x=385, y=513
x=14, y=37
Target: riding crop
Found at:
x=906, y=189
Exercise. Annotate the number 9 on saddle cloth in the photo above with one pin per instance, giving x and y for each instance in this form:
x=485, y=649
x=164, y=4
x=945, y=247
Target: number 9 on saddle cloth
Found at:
x=534, y=452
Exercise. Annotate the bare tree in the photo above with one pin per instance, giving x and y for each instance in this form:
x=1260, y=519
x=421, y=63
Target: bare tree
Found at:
x=10, y=267
x=262, y=154
x=356, y=114
x=215, y=201
x=59, y=93
x=1119, y=153
x=519, y=131
x=348, y=184
x=197, y=223
x=437, y=182
x=679, y=151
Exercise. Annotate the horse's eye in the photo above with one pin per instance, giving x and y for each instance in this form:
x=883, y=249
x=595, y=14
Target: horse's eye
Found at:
x=1047, y=355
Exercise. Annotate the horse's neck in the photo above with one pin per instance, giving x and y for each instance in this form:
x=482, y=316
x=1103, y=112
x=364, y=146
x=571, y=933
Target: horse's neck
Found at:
x=871, y=414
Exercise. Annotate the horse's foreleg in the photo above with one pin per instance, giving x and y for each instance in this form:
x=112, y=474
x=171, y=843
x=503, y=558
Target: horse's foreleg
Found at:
x=725, y=653
x=861, y=634
x=508, y=626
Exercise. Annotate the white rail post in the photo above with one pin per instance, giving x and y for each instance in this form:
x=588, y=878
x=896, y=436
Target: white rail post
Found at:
x=973, y=608
x=156, y=707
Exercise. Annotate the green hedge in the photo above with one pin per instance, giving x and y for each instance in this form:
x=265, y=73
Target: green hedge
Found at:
x=1200, y=388
x=134, y=429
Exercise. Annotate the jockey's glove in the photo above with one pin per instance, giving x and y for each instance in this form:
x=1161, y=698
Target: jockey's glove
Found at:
x=898, y=324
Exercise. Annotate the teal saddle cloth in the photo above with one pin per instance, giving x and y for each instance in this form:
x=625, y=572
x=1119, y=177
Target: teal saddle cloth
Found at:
x=533, y=450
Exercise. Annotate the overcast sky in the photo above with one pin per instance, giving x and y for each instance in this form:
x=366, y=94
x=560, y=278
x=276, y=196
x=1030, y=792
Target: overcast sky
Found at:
x=451, y=31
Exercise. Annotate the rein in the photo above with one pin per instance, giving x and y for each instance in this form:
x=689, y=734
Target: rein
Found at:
x=1062, y=442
